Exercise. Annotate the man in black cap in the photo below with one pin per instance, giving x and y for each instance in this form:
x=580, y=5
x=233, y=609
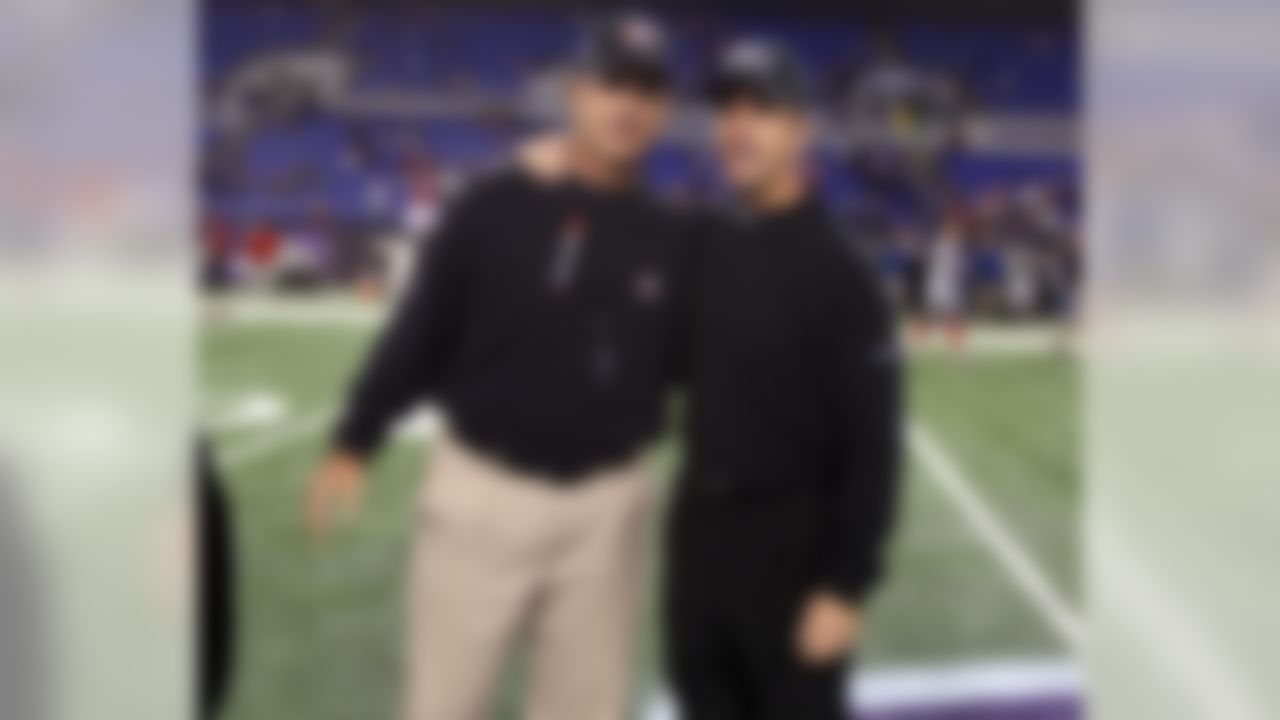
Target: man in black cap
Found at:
x=787, y=491
x=541, y=322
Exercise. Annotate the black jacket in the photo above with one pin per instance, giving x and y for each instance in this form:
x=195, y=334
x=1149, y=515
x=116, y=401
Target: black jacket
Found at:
x=794, y=373
x=541, y=318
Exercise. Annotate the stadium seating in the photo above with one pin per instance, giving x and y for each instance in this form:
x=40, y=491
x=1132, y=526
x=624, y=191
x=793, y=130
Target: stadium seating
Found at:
x=287, y=172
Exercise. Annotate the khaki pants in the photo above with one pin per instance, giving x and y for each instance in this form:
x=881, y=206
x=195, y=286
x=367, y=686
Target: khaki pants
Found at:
x=499, y=555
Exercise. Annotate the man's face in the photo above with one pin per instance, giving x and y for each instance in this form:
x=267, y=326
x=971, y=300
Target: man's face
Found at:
x=756, y=141
x=618, y=119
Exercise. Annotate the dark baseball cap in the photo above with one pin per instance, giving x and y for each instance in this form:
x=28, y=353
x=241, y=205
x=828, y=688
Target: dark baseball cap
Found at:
x=628, y=47
x=761, y=69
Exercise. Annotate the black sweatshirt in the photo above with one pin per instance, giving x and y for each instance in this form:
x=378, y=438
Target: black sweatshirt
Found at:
x=542, y=320
x=795, y=384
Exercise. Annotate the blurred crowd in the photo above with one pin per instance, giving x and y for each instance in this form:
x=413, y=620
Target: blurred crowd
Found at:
x=332, y=141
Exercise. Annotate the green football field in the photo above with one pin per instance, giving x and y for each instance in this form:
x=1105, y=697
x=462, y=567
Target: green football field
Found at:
x=983, y=566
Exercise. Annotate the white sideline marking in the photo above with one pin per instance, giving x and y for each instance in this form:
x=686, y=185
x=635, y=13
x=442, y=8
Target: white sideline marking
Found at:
x=329, y=312
x=342, y=311
x=264, y=445
x=422, y=425
x=915, y=687
x=1025, y=573
x=999, y=681
x=993, y=340
x=259, y=407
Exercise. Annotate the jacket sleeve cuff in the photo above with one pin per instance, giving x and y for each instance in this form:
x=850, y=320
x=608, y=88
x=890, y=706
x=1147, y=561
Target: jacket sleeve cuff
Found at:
x=852, y=580
x=351, y=440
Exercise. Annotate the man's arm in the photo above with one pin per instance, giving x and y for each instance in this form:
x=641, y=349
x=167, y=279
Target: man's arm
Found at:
x=865, y=367
x=863, y=375
x=402, y=368
x=413, y=348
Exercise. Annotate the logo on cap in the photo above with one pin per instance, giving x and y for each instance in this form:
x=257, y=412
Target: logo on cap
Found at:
x=649, y=287
x=640, y=33
x=750, y=57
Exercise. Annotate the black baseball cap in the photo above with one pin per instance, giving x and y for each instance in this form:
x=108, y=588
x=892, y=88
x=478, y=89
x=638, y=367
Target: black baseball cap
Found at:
x=628, y=47
x=761, y=69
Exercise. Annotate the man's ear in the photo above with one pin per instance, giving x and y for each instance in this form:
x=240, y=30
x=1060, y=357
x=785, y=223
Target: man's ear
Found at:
x=808, y=123
x=575, y=84
x=668, y=108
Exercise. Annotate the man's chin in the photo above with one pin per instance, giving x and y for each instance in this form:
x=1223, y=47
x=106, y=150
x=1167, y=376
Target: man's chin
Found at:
x=627, y=158
x=743, y=186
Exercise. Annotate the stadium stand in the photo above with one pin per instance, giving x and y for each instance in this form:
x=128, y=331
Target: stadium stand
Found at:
x=446, y=91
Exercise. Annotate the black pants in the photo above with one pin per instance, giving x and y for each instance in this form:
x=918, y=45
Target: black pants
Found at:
x=217, y=624
x=737, y=577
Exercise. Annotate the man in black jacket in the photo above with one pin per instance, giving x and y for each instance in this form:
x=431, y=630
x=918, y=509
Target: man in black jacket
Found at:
x=791, y=462
x=541, y=322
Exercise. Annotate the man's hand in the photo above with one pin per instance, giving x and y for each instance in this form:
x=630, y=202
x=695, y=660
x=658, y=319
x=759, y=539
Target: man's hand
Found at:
x=828, y=628
x=545, y=158
x=336, y=489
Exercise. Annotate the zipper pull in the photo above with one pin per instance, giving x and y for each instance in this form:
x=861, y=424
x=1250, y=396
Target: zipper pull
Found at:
x=567, y=255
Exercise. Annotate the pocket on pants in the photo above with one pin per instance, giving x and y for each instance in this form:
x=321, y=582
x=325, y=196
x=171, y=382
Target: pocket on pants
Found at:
x=479, y=513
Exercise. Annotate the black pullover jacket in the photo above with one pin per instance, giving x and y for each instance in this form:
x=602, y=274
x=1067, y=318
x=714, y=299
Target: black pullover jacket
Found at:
x=794, y=392
x=542, y=320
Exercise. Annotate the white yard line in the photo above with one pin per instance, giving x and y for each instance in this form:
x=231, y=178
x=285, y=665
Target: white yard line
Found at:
x=249, y=409
x=420, y=426
x=970, y=681
x=1012, y=555
x=944, y=685
x=262, y=446
x=334, y=312
x=338, y=311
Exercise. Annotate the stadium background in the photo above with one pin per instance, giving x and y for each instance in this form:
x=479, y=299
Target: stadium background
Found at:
x=333, y=134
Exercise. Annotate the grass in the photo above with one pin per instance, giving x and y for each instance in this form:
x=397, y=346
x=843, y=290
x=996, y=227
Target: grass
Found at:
x=321, y=625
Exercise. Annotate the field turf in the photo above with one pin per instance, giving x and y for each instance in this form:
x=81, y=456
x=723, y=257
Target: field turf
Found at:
x=320, y=625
